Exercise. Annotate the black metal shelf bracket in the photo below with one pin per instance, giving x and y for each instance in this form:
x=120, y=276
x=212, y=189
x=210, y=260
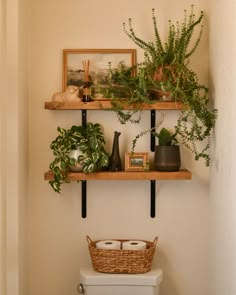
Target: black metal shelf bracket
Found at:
x=84, y=182
x=153, y=198
x=84, y=199
x=153, y=182
x=84, y=117
x=153, y=124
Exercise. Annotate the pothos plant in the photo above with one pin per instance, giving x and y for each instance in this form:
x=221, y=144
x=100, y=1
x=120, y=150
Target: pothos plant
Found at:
x=89, y=140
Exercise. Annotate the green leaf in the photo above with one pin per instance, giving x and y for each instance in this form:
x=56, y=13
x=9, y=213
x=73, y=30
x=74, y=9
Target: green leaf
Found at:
x=95, y=156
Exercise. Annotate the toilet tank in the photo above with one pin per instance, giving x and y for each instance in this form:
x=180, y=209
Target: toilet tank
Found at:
x=95, y=283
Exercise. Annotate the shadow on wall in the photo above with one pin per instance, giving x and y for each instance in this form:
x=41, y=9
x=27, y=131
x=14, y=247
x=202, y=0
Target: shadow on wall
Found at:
x=167, y=286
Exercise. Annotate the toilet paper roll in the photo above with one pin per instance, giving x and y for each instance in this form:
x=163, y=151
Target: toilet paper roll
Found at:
x=109, y=244
x=134, y=245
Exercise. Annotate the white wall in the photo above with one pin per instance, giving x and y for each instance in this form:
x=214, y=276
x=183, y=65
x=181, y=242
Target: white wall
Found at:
x=223, y=170
x=57, y=245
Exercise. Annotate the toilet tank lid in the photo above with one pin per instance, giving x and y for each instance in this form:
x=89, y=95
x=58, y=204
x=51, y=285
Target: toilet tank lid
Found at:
x=92, y=278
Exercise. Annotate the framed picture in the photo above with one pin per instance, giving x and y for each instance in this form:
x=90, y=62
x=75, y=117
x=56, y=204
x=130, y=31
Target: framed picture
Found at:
x=136, y=161
x=73, y=73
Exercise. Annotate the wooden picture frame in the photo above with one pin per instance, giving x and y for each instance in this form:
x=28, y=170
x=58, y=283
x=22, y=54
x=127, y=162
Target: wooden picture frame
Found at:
x=73, y=74
x=136, y=161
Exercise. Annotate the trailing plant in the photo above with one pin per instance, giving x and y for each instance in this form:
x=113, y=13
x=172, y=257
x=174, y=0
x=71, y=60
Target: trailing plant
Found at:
x=166, y=71
x=194, y=125
x=165, y=137
x=145, y=132
x=89, y=140
x=129, y=90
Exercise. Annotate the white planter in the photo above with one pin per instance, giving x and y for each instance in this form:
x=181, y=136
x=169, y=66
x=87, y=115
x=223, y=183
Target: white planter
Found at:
x=74, y=154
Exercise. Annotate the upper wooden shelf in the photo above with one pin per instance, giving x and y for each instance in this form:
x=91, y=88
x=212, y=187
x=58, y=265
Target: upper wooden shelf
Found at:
x=125, y=175
x=106, y=104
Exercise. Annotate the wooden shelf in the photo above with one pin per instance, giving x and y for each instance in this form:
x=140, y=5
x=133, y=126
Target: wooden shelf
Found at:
x=152, y=176
x=106, y=104
x=125, y=175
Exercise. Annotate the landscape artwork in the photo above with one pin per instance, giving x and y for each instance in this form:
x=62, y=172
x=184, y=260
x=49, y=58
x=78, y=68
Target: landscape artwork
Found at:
x=99, y=60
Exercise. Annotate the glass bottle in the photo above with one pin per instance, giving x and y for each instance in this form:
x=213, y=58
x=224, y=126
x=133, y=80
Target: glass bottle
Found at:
x=87, y=92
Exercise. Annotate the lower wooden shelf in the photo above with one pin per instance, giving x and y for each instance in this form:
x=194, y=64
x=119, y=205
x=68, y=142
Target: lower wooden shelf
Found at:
x=125, y=175
x=152, y=176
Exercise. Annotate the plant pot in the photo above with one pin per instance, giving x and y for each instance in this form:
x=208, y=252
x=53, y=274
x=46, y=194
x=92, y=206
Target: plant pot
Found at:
x=163, y=74
x=164, y=95
x=167, y=158
x=74, y=154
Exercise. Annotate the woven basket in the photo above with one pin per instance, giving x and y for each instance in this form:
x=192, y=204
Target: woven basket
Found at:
x=122, y=261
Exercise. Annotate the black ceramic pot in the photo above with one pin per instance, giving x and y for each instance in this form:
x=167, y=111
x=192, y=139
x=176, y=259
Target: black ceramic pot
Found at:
x=167, y=158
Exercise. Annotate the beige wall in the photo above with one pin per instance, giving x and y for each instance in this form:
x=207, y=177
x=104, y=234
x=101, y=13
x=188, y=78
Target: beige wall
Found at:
x=57, y=245
x=223, y=170
x=13, y=149
x=23, y=145
x=2, y=150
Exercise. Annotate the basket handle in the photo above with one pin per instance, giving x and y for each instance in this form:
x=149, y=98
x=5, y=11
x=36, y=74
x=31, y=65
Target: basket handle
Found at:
x=155, y=241
x=89, y=240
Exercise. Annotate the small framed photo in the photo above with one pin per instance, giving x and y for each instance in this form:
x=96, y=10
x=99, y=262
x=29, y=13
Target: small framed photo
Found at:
x=136, y=161
x=99, y=61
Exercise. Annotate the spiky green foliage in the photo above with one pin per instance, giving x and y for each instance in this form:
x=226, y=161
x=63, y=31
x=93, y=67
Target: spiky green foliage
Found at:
x=178, y=46
x=166, y=71
x=166, y=62
x=166, y=67
x=89, y=140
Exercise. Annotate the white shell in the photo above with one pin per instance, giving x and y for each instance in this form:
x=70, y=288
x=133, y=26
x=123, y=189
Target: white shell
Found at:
x=71, y=94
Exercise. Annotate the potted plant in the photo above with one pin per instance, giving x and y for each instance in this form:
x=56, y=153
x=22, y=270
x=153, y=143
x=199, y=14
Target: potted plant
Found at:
x=165, y=68
x=167, y=152
x=166, y=71
x=89, y=140
x=166, y=62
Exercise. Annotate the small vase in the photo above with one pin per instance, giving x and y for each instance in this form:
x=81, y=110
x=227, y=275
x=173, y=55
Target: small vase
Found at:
x=115, y=160
x=74, y=154
x=167, y=158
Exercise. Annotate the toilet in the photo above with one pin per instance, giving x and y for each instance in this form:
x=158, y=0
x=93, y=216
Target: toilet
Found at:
x=96, y=283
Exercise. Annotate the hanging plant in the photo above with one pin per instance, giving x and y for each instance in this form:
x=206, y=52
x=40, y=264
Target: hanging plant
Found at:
x=165, y=73
x=128, y=90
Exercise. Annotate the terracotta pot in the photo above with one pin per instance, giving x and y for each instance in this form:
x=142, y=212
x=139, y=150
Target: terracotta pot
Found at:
x=162, y=74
